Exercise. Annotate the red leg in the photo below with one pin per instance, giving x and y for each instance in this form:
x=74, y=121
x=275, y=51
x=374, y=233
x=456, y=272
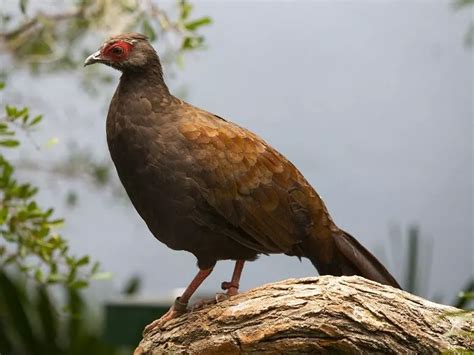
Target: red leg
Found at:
x=181, y=303
x=193, y=286
x=232, y=287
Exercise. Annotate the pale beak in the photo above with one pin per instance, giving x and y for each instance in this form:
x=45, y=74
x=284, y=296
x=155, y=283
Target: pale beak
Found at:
x=93, y=58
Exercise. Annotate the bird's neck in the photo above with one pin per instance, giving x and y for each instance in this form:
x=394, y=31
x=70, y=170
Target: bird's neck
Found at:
x=147, y=81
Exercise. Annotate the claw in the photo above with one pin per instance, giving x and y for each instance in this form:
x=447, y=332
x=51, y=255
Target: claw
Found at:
x=231, y=287
x=176, y=310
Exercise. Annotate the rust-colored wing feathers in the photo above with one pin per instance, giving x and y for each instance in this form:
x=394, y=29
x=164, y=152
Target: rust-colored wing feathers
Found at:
x=249, y=183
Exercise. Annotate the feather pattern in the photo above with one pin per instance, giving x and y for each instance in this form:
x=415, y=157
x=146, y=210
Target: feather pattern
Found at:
x=208, y=186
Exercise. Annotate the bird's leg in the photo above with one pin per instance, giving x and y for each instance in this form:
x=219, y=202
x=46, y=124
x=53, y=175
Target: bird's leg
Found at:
x=232, y=287
x=181, y=303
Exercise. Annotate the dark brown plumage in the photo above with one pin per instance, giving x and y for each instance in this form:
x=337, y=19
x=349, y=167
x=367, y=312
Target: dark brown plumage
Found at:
x=205, y=185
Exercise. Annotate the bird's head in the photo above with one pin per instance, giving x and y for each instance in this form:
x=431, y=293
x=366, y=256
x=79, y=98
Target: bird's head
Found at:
x=128, y=51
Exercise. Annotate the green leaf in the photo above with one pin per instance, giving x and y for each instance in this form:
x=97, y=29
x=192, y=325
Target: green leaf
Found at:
x=468, y=294
x=78, y=284
x=36, y=120
x=3, y=214
x=25, y=118
x=10, y=110
x=23, y=112
x=16, y=312
x=102, y=276
x=194, y=25
x=56, y=223
x=83, y=261
x=70, y=261
x=186, y=9
x=2, y=85
x=47, y=315
x=192, y=42
x=39, y=275
x=187, y=43
x=53, y=278
x=10, y=143
x=95, y=268
x=32, y=206
x=14, y=113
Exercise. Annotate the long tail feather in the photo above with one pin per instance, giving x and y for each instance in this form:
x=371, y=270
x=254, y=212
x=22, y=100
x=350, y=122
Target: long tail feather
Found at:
x=350, y=258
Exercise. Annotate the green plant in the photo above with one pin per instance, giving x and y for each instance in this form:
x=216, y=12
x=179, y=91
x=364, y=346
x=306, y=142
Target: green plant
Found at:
x=29, y=240
x=44, y=39
x=466, y=296
x=31, y=249
x=30, y=322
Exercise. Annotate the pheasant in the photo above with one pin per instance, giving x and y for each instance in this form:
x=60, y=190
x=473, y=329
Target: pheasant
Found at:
x=208, y=186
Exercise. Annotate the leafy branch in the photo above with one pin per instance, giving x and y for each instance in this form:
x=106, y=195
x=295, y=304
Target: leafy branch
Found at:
x=28, y=233
x=60, y=38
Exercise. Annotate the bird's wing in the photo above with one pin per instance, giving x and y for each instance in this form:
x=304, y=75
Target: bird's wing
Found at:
x=250, y=184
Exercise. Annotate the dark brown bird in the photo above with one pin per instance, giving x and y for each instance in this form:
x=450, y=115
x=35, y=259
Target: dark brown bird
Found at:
x=203, y=184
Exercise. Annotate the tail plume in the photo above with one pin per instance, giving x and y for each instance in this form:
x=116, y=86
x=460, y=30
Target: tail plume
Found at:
x=351, y=258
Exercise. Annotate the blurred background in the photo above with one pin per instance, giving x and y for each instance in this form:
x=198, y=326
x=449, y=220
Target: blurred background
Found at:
x=372, y=101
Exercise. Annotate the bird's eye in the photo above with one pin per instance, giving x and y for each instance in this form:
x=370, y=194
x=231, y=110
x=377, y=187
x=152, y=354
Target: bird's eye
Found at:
x=117, y=50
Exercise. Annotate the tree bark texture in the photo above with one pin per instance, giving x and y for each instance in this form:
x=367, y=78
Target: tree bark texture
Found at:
x=317, y=315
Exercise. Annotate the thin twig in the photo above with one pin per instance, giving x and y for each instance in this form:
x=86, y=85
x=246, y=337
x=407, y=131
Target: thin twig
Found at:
x=30, y=24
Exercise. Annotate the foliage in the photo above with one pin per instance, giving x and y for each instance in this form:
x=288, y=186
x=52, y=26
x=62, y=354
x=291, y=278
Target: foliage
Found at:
x=46, y=39
x=28, y=236
x=31, y=324
x=466, y=296
x=466, y=4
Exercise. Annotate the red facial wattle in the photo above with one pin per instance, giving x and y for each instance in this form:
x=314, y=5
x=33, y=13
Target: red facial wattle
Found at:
x=117, y=51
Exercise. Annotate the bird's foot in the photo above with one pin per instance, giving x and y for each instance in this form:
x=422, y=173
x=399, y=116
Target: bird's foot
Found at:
x=231, y=288
x=177, y=309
